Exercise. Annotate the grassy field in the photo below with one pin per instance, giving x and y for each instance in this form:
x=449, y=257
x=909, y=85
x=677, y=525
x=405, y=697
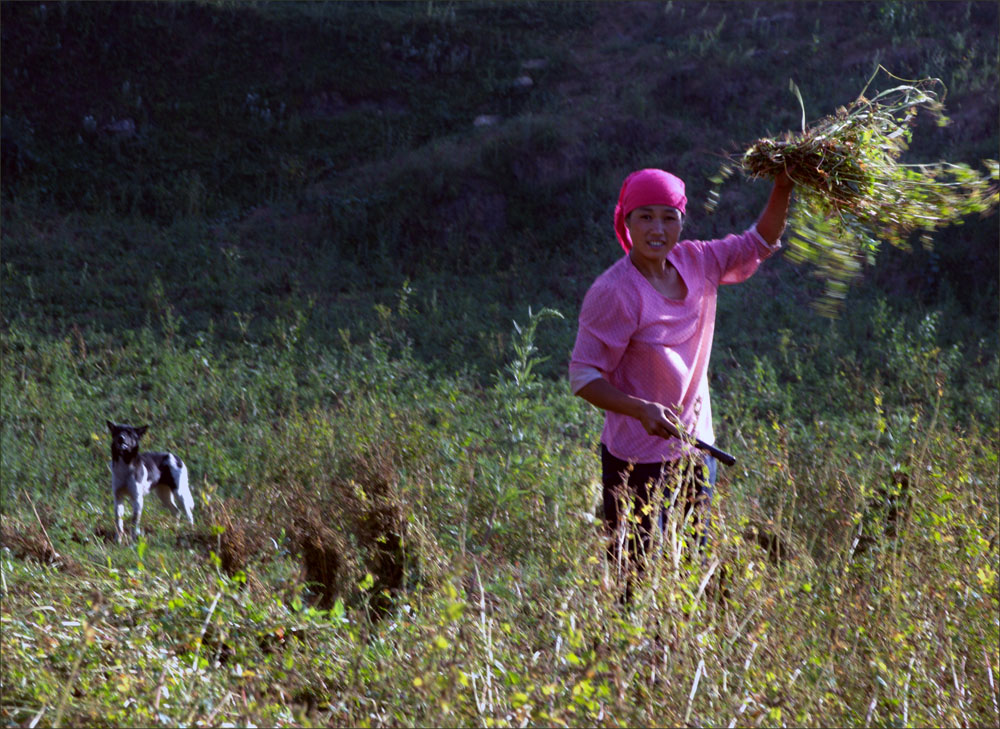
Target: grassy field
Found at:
x=349, y=309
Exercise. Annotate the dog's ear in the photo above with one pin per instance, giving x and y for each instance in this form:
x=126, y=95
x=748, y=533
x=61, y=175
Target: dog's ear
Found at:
x=111, y=426
x=141, y=430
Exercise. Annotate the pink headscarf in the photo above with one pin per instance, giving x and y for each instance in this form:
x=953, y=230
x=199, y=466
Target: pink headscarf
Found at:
x=646, y=187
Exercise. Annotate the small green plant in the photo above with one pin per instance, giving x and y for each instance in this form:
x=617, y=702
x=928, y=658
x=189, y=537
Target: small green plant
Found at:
x=526, y=356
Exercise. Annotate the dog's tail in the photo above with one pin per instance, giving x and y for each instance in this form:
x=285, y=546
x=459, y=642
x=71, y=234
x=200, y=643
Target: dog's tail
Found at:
x=180, y=473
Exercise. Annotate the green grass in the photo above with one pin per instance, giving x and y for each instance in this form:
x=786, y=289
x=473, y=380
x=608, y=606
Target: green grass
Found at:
x=503, y=612
x=395, y=491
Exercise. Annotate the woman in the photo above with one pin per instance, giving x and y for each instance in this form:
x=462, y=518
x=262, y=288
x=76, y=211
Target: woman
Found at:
x=644, y=340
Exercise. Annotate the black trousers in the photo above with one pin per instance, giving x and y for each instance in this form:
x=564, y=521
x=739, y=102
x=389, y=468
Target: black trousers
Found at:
x=642, y=483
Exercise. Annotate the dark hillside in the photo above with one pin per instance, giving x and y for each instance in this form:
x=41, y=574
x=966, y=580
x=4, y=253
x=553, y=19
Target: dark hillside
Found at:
x=255, y=100
x=263, y=155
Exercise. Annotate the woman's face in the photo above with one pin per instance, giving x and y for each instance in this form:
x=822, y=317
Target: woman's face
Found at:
x=654, y=230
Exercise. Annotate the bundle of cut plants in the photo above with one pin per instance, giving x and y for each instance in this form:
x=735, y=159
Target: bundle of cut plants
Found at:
x=853, y=193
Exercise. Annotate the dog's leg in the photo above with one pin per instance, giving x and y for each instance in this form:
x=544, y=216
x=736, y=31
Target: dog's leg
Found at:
x=167, y=498
x=119, y=517
x=136, y=513
x=181, y=498
x=187, y=502
x=184, y=494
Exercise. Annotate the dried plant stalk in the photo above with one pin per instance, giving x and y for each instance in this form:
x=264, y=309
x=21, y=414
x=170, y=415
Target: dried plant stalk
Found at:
x=852, y=192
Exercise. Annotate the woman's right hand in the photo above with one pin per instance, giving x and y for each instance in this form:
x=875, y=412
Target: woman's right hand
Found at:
x=655, y=418
x=658, y=420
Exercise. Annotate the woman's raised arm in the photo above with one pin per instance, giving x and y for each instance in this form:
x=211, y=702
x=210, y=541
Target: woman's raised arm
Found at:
x=771, y=223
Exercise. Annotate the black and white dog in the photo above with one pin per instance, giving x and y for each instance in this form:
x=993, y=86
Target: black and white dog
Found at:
x=135, y=474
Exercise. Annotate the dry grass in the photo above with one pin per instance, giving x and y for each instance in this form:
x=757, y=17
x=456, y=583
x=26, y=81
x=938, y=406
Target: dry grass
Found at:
x=30, y=541
x=349, y=534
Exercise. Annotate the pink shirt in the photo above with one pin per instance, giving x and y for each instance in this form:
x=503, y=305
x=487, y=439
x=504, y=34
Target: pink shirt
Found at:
x=658, y=348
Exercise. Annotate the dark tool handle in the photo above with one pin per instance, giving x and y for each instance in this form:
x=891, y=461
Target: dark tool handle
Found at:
x=727, y=458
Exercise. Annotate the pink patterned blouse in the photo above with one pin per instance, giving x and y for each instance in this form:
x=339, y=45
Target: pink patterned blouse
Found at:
x=658, y=348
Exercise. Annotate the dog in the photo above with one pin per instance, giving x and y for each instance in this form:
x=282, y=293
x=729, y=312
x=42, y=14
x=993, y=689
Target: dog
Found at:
x=135, y=474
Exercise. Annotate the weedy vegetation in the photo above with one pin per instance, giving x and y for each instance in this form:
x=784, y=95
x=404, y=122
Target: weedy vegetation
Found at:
x=348, y=308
